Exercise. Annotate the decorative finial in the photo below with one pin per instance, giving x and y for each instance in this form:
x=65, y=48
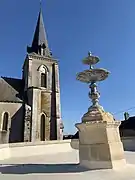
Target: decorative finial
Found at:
x=89, y=53
x=92, y=76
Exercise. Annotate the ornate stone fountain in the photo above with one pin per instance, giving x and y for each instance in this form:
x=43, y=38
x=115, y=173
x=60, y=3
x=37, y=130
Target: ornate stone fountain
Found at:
x=100, y=146
x=91, y=76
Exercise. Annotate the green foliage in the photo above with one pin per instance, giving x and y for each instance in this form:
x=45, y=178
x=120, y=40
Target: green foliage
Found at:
x=126, y=115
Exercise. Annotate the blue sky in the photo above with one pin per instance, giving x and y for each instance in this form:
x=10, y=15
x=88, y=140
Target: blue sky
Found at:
x=105, y=27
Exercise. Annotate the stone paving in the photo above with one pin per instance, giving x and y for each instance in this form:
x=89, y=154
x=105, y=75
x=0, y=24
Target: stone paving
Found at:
x=61, y=166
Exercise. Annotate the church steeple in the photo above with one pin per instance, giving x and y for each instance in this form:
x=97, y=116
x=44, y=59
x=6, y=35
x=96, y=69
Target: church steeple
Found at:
x=39, y=43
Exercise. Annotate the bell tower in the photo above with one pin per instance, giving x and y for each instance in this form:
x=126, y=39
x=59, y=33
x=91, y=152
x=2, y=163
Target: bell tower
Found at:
x=42, y=90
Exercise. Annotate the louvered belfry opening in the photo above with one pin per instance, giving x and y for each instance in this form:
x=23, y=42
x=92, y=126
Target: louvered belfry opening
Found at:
x=43, y=80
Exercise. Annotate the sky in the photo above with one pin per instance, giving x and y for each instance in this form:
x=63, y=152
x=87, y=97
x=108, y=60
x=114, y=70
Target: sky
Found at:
x=74, y=27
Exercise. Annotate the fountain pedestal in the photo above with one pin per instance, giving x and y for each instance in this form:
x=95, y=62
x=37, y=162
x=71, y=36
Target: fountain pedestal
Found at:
x=100, y=146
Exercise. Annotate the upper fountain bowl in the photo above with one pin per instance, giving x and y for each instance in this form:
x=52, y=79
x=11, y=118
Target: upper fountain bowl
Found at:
x=93, y=75
x=90, y=59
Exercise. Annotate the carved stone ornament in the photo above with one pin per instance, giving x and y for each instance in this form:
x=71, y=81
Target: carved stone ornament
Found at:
x=39, y=57
x=91, y=60
x=27, y=123
x=97, y=114
x=92, y=75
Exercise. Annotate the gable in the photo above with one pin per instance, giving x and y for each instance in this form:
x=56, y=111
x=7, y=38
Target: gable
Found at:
x=11, y=89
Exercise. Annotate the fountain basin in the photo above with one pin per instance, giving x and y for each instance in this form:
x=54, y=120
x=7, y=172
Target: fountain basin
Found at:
x=93, y=75
x=91, y=60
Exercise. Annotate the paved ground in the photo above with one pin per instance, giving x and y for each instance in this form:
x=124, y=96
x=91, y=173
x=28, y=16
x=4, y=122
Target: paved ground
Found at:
x=62, y=166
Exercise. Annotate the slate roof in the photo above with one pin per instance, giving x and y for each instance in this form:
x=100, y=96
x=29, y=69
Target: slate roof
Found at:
x=11, y=89
x=128, y=124
x=40, y=37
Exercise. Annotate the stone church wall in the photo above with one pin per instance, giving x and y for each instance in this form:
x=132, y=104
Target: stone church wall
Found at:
x=35, y=115
x=14, y=131
x=46, y=108
x=44, y=101
x=36, y=63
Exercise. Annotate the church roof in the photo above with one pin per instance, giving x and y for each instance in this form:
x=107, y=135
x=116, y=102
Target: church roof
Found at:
x=40, y=38
x=128, y=124
x=11, y=89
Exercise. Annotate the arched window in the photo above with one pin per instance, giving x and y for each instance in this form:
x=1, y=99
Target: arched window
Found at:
x=42, y=128
x=5, y=122
x=43, y=70
x=44, y=80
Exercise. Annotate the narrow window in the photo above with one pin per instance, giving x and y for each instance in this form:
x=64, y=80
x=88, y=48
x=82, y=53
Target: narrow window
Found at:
x=42, y=128
x=43, y=80
x=5, y=122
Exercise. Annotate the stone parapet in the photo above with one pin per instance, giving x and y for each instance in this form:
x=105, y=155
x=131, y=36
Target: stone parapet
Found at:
x=34, y=149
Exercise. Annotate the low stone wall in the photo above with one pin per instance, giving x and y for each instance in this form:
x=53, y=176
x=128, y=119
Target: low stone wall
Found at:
x=49, y=147
x=128, y=143
x=4, y=151
x=32, y=149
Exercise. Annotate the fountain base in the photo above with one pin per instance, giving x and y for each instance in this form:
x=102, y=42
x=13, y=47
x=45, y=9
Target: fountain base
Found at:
x=100, y=146
x=97, y=113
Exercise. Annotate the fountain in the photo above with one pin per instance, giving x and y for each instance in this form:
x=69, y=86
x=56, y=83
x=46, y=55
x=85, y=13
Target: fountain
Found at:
x=92, y=76
x=100, y=146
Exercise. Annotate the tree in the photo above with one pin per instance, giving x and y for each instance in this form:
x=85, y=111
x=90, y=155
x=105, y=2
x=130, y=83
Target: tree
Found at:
x=126, y=115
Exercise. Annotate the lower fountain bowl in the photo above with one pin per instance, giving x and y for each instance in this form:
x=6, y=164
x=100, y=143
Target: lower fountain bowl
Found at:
x=93, y=75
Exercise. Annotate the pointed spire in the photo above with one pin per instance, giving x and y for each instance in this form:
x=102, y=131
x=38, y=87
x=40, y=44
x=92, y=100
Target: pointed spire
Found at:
x=39, y=43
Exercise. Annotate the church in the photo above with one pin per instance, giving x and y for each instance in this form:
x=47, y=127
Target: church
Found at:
x=30, y=108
